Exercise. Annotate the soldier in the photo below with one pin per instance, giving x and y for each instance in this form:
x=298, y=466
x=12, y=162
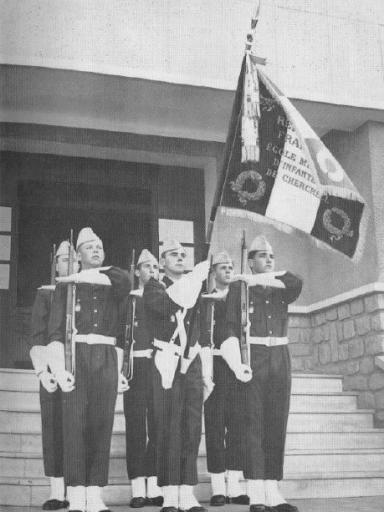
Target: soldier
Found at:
x=268, y=392
x=50, y=395
x=222, y=409
x=182, y=368
x=138, y=400
x=90, y=394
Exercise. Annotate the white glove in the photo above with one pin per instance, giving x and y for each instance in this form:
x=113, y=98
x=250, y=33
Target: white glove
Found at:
x=122, y=384
x=262, y=279
x=166, y=362
x=91, y=276
x=230, y=350
x=186, y=290
x=201, y=270
x=243, y=373
x=48, y=381
x=65, y=380
x=208, y=387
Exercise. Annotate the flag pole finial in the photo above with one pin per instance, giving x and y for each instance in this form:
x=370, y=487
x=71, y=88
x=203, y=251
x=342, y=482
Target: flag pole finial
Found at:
x=250, y=42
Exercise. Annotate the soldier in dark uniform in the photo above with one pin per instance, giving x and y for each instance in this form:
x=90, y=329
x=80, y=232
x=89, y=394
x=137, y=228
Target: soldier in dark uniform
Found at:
x=182, y=369
x=50, y=395
x=89, y=396
x=138, y=400
x=222, y=409
x=268, y=391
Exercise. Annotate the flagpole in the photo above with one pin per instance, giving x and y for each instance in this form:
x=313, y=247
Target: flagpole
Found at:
x=219, y=192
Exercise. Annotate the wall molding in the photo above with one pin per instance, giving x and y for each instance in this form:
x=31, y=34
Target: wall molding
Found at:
x=376, y=287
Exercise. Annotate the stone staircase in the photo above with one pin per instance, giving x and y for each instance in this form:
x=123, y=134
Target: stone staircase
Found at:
x=332, y=448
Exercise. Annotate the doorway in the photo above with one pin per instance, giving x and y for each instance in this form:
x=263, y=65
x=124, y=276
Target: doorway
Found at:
x=120, y=216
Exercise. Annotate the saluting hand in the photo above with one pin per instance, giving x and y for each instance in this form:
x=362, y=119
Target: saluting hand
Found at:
x=48, y=381
x=122, y=384
x=66, y=381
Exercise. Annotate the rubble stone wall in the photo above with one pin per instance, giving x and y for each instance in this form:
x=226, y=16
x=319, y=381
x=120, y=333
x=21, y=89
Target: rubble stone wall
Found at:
x=345, y=339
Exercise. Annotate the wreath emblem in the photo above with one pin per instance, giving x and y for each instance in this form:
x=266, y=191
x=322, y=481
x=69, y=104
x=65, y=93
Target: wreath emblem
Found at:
x=243, y=195
x=337, y=233
x=267, y=104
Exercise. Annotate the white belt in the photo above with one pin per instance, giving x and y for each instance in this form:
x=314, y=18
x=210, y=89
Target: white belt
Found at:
x=216, y=352
x=268, y=341
x=95, y=339
x=143, y=353
x=165, y=344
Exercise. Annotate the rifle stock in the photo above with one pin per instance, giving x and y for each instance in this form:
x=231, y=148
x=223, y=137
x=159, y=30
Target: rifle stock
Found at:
x=70, y=330
x=53, y=265
x=53, y=268
x=127, y=369
x=244, y=348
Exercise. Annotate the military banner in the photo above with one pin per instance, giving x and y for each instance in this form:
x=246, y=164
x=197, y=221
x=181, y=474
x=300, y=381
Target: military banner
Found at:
x=276, y=167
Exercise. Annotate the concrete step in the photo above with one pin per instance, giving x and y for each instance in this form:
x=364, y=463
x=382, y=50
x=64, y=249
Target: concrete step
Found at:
x=13, y=464
x=34, y=491
x=30, y=402
x=25, y=380
x=335, y=421
x=369, y=438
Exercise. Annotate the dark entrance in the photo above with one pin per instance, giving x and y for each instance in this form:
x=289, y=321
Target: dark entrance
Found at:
x=47, y=212
x=121, y=216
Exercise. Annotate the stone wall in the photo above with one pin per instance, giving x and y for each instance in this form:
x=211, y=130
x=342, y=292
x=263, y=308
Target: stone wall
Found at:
x=344, y=339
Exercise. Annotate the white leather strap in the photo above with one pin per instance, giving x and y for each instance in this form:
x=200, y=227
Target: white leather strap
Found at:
x=268, y=341
x=95, y=339
x=143, y=353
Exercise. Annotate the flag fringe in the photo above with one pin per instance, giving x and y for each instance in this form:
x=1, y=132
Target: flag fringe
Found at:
x=290, y=230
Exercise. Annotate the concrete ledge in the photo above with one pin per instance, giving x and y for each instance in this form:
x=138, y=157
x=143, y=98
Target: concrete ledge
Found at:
x=367, y=289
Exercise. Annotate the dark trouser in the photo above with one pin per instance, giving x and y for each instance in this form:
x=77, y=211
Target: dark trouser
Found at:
x=140, y=433
x=222, y=413
x=178, y=416
x=52, y=432
x=266, y=412
x=88, y=413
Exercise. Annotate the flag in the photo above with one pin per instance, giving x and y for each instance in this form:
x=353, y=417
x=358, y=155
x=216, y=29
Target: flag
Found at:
x=276, y=167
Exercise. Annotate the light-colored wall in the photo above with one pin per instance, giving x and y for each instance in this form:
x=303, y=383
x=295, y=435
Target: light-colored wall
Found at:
x=319, y=50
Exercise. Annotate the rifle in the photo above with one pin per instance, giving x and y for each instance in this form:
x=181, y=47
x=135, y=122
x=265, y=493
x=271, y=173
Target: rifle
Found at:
x=210, y=326
x=244, y=348
x=70, y=329
x=127, y=369
x=53, y=265
x=53, y=269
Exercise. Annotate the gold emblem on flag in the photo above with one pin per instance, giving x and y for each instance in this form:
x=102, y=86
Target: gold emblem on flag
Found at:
x=336, y=232
x=243, y=195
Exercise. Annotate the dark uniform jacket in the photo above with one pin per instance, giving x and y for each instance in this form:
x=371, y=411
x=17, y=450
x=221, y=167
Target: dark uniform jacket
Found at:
x=40, y=316
x=161, y=311
x=219, y=326
x=98, y=308
x=267, y=307
x=141, y=333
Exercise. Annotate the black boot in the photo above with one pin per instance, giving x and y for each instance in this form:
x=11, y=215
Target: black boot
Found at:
x=217, y=500
x=55, y=504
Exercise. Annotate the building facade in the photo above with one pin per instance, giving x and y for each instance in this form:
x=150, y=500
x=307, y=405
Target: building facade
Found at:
x=115, y=115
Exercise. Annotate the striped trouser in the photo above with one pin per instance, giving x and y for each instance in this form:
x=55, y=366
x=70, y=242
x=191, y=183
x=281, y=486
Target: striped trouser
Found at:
x=178, y=417
x=88, y=413
x=222, y=416
x=52, y=432
x=140, y=432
